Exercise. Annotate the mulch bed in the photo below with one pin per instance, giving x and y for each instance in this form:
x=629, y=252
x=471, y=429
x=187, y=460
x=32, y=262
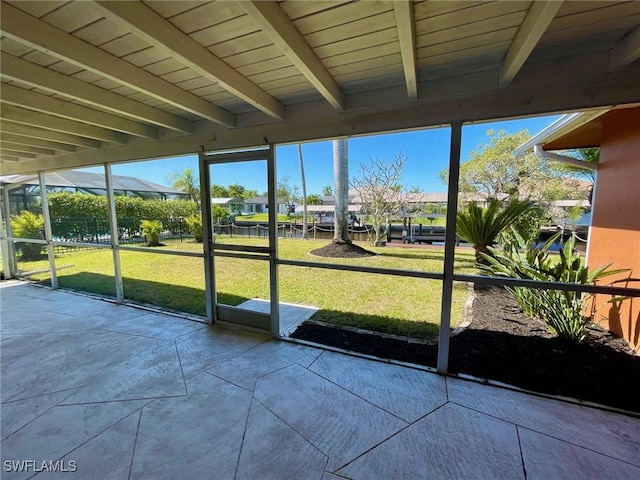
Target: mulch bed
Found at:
x=502, y=344
x=342, y=250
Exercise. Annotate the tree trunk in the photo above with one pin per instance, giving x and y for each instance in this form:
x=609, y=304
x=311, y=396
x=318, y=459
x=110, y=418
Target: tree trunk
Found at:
x=479, y=250
x=305, y=232
x=341, y=189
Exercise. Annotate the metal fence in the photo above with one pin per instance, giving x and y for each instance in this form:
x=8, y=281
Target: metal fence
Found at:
x=96, y=230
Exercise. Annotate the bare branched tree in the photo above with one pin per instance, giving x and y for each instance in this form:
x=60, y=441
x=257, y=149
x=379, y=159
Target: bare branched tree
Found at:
x=305, y=232
x=382, y=196
x=288, y=195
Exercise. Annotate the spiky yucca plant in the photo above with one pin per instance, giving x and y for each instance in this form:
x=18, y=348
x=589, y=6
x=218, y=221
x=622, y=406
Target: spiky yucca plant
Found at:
x=481, y=226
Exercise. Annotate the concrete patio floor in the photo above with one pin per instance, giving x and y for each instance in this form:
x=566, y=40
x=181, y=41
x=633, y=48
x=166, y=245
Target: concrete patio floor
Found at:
x=116, y=392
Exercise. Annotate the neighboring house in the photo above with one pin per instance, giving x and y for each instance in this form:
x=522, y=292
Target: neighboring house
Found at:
x=260, y=204
x=24, y=190
x=325, y=213
x=235, y=205
x=615, y=222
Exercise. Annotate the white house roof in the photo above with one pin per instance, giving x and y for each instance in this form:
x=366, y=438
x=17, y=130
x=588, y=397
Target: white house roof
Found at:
x=90, y=181
x=88, y=82
x=563, y=125
x=225, y=200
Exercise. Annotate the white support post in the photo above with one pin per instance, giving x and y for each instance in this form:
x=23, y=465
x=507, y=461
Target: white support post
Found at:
x=11, y=251
x=207, y=238
x=113, y=230
x=272, y=193
x=449, y=248
x=4, y=244
x=47, y=230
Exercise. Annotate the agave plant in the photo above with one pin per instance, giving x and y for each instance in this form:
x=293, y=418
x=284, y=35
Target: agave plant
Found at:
x=481, y=226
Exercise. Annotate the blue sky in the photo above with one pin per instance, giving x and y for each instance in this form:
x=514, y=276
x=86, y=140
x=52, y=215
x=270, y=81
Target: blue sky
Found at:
x=427, y=153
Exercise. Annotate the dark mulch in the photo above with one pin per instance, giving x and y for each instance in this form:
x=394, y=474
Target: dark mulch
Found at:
x=342, y=250
x=503, y=344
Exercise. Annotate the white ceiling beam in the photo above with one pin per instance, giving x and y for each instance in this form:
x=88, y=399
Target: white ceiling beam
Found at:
x=28, y=30
x=14, y=68
x=12, y=95
x=10, y=113
x=272, y=20
x=9, y=158
x=48, y=135
x=626, y=51
x=373, y=115
x=14, y=153
x=533, y=26
x=147, y=24
x=16, y=147
x=35, y=142
x=407, y=39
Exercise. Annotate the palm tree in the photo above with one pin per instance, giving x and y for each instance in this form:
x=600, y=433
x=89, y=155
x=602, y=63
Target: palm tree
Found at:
x=341, y=181
x=305, y=233
x=481, y=226
x=188, y=182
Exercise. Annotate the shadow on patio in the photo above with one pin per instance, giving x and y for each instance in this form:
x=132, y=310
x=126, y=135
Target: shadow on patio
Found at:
x=117, y=392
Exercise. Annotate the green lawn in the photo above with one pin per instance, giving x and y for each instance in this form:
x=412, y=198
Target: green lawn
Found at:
x=401, y=305
x=264, y=217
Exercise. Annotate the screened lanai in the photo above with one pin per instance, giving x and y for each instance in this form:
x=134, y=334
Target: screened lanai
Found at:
x=24, y=189
x=97, y=83
x=102, y=84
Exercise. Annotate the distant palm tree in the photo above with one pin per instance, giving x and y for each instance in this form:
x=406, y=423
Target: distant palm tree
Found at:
x=341, y=181
x=481, y=226
x=188, y=182
x=314, y=199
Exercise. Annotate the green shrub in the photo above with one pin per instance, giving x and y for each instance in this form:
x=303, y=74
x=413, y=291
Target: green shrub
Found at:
x=152, y=230
x=562, y=311
x=194, y=225
x=220, y=213
x=28, y=225
x=75, y=215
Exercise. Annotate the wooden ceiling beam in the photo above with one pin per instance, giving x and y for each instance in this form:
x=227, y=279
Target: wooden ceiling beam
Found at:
x=272, y=20
x=15, y=153
x=16, y=147
x=35, y=142
x=626, y=51
x=147, y=24
x=14, y=68
x=10, y=113
x=12, y=95
x=407, y=38
x=538, y=18
x=28, y=30
x=48, y=135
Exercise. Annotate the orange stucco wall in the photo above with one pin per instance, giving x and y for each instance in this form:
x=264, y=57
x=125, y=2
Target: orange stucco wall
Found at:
x=615, y=231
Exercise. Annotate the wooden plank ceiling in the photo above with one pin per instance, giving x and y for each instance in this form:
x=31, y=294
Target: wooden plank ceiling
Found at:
x=131, y=78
